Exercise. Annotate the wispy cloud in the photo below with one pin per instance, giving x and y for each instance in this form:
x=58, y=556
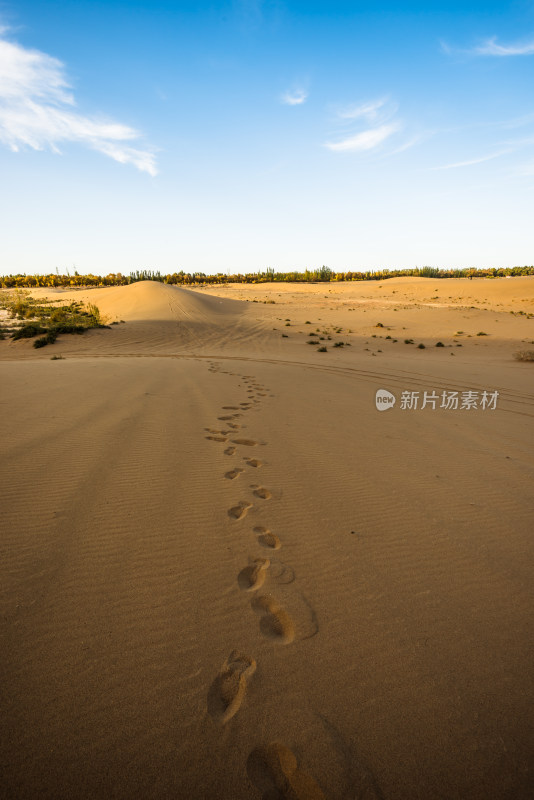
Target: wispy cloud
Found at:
x=472, y=161
x=491, y=48
x=365, y=140
x=38, y=110
x=368, y=111
x=370, y=124
x=294, y=97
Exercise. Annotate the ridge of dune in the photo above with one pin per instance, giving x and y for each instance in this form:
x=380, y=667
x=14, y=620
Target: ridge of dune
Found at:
x=150, y=300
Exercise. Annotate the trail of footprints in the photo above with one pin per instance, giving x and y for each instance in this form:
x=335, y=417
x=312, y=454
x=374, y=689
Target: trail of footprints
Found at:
x=273, y=769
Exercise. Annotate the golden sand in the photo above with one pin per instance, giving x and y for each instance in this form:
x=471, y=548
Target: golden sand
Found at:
x=226, y=575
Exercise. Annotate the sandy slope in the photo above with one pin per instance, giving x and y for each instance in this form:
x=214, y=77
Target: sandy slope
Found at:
x=225, y=574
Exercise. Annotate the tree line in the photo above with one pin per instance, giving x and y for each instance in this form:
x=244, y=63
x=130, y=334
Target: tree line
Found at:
x=324, y=274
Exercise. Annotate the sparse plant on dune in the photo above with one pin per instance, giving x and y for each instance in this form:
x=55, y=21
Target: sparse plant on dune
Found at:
x=524, y=355
x=321, y=349
x=49, y=319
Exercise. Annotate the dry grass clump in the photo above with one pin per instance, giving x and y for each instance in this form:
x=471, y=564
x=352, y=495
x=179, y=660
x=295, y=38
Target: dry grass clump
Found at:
x=524, y=355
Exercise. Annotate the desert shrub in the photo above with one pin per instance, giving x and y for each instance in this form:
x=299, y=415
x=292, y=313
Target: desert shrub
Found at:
x=321, y=349
x=524, y=355
x=420, y=346
x=57, y=358
x=440, y=344
x=28, y=331
x=312, y=342
x=339, y=344
x=481, y=333
x=41, y=342
x=379, y=325
x=408, y=341
x=285, y=336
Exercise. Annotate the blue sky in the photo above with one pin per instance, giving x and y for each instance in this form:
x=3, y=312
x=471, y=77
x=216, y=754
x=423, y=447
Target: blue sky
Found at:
x=245, y=134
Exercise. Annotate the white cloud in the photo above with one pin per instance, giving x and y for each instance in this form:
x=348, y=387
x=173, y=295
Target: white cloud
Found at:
x=295, y=97
x=37, y=110
x=491, y=48
x=366, y=140
x=472, y=161
x=367, y=111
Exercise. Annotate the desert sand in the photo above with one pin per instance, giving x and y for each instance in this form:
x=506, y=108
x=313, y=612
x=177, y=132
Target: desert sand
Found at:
x=226, y=574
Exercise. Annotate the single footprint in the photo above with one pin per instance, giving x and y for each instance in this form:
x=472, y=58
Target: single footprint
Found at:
x=253, y=576
x=228, y=416
x=229, y=687
x=253, y=462
x=239, y=511
x=233, y=473
x=217, y=438
x=267, y=538
x=274, y=771
x=247, y=442
x=234, y=426
x=262, y=492
x=231, y=408
x=275, y=622
x=230, y=451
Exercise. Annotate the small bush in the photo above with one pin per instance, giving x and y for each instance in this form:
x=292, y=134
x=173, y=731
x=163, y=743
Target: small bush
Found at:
x=440, y=344
x=307, y=322
x=321, y=349
x=420, y=346
x=28, y=331
x=288, y=324
x=285, y=336
x=339, y=344
x=388, y=337
x=312, y=342
x=379, y=325
x=481, y=333
x=524, y=355
x=41, y=342
x=57, y=358
x=408, y=341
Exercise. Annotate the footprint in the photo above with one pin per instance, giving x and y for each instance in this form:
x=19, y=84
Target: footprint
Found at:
x=267, y=538
x=217, y=438
x=274, y=771
x=234, y=426
x=230, y=408
x=230, y=451
x=247, y=442
x=262, y=492
x=253, y=462
x=229, y=687
x=253, y=576
x=275, y=623
x=228, y=416
x=239, y=511
x=233, y=473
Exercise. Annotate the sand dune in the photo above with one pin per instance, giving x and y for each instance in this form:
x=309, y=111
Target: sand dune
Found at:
x=226, y=574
